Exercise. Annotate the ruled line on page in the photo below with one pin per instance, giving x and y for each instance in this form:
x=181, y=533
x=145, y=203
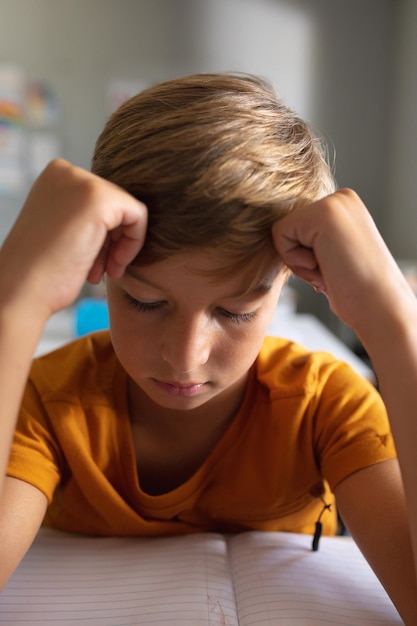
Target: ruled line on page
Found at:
x=278, y=579
x=68, y=580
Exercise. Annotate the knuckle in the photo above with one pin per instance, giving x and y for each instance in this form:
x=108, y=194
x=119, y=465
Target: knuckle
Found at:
x=348, y=193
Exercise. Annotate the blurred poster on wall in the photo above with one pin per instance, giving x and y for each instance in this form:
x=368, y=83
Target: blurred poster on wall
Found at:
x=42, y=114
x=12, y=130
x=29, y=123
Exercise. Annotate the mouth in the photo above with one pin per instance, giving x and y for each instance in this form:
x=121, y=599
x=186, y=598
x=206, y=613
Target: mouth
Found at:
x=176, y=388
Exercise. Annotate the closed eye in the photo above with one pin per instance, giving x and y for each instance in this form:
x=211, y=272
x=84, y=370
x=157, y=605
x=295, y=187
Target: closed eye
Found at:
x=142, y=307
x=146, y=307
x=238, y=318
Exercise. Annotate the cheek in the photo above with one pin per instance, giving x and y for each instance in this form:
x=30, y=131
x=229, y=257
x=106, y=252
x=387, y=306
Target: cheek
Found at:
x=241, y=348
x=251, y=341
x=128, y=338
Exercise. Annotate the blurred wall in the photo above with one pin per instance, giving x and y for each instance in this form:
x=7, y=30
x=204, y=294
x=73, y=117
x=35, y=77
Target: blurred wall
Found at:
x=78, y=46
x=399, y=220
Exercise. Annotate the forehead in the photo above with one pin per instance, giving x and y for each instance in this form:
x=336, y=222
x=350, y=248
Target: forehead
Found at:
x=254, y=277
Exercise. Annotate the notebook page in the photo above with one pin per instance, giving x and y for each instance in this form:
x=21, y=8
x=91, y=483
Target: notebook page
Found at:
x=68, y=580
x=279, y=580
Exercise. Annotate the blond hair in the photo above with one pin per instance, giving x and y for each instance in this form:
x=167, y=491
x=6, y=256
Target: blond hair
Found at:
x=217, y=158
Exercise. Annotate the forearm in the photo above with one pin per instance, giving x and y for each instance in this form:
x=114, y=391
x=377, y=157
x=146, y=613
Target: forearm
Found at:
x=391, y=341
x=20, y=331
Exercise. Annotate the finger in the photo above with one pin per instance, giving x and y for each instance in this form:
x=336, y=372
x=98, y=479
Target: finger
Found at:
x=124, y=240
x=127, y=242
x=98, y=268
x=120, y=248
x=120, y=255
x=298, y=257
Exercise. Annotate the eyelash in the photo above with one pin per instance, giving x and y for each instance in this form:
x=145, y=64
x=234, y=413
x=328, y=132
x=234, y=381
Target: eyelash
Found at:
x=238, y=318
x=142, y=307
x=147, y=307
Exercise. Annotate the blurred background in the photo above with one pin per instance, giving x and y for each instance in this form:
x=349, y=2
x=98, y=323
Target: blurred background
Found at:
x=348, y=66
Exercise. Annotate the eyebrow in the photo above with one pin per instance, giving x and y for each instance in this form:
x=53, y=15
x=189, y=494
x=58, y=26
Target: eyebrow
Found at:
x=259, y=289
x=140, y=278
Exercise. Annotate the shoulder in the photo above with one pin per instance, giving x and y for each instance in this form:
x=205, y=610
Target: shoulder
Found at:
x=327, y=405
x=290, y=369
x=86, y=363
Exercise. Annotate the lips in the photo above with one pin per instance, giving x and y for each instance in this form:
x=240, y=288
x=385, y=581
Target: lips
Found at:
x=175, y=388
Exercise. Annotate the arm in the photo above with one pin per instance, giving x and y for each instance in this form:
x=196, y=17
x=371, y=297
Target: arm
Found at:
x=74, y=226
x=334, y=245
x=373, y=507
x=22, y=509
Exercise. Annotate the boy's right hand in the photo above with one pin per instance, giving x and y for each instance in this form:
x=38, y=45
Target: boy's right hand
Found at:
x=74, y=226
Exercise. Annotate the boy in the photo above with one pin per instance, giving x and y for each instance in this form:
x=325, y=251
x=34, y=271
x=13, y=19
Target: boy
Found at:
x=204, y=190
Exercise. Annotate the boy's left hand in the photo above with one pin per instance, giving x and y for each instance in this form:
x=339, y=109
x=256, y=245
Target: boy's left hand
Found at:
x=334, y=245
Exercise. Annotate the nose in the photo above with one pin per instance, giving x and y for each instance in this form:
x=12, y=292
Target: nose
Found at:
x=186, y=343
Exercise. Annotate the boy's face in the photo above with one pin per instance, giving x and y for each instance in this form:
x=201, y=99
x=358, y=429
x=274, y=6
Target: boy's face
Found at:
x=185, y=338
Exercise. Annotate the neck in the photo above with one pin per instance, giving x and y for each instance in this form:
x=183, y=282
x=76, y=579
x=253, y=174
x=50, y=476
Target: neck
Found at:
x=214, y=414
x=171, y=445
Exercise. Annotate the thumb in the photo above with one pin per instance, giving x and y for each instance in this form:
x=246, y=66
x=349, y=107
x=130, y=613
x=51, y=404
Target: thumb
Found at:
x=298, y=257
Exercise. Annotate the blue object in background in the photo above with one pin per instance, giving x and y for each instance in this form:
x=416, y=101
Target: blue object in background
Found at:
x=90, y=314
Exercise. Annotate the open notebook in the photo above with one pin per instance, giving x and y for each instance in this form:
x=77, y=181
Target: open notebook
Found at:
x=249, y=579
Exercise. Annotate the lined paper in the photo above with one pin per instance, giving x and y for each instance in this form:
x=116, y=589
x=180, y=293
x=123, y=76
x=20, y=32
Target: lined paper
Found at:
x=279, y=580
x=67, y=580
x=195, y=580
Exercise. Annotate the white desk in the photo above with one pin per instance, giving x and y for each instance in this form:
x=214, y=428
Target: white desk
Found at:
x=304, y=329
x=58, y=331
x=308, y=331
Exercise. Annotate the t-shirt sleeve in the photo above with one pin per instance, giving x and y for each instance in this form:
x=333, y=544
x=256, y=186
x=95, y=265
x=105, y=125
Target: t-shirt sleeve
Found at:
x=351, y=425
x=35, y=456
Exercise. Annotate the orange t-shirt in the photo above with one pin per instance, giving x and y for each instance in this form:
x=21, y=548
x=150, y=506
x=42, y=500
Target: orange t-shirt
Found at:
x=306, y=420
